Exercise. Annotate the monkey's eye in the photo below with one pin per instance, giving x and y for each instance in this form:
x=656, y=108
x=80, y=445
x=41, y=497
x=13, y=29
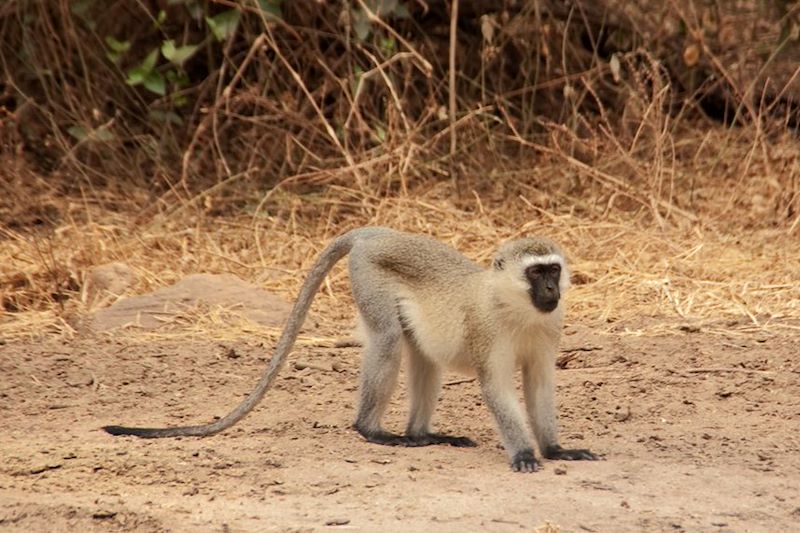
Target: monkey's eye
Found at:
x=533, y=271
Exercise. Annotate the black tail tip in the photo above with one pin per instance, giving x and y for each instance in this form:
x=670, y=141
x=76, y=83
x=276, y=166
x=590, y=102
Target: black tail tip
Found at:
x=118, y=430
x=144, y=433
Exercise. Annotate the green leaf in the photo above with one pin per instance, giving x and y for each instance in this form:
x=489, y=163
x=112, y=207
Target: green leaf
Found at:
x=361, y=24
x=154, y=82
x=117, y=46
x=168, y=49
x=177, y=55
x=140, y=72
x=388, y=45
x=179, y=100
x=135, y=76
x=149, y=62
x=77, y=132
x=271, y=8
x=102, y=134
x=161, y=17
x=224, y=24
x=80, y=133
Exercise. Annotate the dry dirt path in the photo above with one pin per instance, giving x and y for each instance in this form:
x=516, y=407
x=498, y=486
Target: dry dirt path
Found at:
x=700, y=433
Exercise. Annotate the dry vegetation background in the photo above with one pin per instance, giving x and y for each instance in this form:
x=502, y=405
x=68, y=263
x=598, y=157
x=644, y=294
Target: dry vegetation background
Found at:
x=657, y=141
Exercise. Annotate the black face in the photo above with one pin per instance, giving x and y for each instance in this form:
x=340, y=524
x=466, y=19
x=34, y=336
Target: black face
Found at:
x=544, y=285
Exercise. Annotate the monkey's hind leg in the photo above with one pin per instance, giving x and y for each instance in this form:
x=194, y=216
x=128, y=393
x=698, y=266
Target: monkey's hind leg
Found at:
x=381, y=336
x=425, y=384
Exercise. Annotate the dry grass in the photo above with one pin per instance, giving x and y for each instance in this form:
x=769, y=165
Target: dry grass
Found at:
x=669, y=218
x=718, y=265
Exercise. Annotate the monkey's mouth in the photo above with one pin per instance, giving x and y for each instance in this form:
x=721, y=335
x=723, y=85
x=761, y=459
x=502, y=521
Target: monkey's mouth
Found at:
x=544, y=305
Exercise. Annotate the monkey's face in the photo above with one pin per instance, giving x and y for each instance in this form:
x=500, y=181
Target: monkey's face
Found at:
x=543, y=279
x=531, y=285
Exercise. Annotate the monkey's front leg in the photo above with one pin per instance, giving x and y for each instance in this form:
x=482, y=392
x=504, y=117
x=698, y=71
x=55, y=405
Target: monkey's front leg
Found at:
x=538, y=384
x=497, y=385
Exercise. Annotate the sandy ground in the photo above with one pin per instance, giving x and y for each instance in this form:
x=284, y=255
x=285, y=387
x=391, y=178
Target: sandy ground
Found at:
x=700, y=432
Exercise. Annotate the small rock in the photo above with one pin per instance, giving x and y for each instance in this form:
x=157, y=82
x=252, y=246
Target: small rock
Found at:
x=337, y=522
x=560, y=471
x=302, y=365
x=43, y=468
x=622, y=416
x=326, y=423
x=104, y=514
x=79, y=378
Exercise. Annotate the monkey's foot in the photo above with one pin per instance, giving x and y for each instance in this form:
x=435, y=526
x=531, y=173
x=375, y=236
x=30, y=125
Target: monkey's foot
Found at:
x=557, y=452
x=427, y=439
x=525, y=461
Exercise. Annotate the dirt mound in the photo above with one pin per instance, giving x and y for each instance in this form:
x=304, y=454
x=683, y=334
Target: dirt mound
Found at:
x=152, y=310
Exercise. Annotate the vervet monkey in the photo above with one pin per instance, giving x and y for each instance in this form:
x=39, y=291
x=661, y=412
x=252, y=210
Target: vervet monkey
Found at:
x=422, y=297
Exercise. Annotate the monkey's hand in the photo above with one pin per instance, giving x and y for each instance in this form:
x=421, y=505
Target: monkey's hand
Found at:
x=557, y=452
x=525, y=461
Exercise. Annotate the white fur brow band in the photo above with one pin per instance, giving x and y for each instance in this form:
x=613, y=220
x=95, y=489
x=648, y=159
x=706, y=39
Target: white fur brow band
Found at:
x=543, y=260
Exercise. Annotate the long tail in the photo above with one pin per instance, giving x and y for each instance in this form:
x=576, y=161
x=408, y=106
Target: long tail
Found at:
x=340, y=247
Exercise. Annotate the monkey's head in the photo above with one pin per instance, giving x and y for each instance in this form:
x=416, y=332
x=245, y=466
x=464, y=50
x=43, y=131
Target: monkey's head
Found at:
x=531, y=271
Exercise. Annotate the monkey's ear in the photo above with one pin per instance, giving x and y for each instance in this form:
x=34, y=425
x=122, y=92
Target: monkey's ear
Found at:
x=498, y=264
